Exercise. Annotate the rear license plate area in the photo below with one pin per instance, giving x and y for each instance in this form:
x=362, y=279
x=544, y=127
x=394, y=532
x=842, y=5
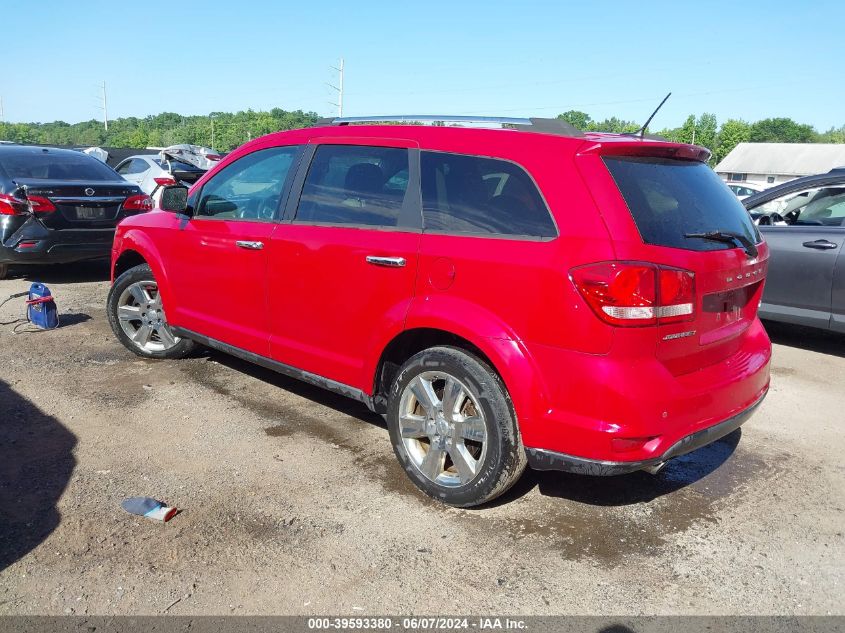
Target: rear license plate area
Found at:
x=90, y=213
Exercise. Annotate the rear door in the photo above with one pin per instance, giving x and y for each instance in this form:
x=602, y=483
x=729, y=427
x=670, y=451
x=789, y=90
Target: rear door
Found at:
x=804, y=254
x=670, y=200
x=342, y=268
x=217, y=261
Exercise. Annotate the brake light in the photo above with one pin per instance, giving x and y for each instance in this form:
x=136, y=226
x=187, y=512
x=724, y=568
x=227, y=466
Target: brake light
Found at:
x=9, y=205
x=138, y=203
x=164, y=182
x=636, y=293
x=40, y=204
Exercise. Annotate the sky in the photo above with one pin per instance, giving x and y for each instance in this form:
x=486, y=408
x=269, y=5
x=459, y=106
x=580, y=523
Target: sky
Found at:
x=749, y=60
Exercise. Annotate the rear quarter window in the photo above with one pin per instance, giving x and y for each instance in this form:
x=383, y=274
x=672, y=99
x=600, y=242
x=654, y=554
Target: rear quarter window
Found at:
x=670, y=198
x=481, y=196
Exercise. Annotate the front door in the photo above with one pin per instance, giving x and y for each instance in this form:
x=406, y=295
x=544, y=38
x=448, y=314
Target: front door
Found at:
x=342, y=270
x=804, y=251
x=218, y=261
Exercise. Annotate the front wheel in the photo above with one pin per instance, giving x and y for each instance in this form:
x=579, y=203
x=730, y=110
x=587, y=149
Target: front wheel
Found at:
x=4, y=270
x=137, y=318
x=453, y=429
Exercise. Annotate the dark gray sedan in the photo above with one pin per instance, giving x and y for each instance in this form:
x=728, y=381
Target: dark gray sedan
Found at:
x=803, y=221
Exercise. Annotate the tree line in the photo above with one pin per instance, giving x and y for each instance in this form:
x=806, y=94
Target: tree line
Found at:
x=704, y=130
x=226, y=130
x=222, y=130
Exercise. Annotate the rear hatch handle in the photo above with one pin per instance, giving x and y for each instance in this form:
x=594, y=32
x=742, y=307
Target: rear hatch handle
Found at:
x=727, y=237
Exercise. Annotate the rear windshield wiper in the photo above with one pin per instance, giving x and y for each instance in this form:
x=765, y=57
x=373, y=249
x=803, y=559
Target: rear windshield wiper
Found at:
x=727, y=237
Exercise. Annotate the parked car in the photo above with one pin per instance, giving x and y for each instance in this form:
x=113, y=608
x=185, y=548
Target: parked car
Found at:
x=581, y=302
x=744, y=189
x=59, y=206
x=802, y=221
x=151, y=172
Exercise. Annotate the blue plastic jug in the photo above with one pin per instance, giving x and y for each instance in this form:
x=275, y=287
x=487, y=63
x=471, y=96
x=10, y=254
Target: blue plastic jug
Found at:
x=41, y=308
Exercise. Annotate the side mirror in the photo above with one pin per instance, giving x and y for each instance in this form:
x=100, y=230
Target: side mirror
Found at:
x=174, y=198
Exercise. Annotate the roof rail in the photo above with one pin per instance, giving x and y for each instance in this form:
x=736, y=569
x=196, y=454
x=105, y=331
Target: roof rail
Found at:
x=547, y=126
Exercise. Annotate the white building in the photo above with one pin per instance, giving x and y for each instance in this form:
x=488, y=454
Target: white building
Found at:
x=769, y=164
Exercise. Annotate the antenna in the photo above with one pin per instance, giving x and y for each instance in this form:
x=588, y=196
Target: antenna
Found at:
x=641, y=131
x=339, y=88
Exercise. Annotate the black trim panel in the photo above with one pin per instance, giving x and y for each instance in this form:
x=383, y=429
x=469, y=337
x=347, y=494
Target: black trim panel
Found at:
x=269, y=363
x=542, y=459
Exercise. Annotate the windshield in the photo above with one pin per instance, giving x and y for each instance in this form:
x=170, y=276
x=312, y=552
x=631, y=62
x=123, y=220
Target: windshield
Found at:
x=40, y=165
x=671, y=198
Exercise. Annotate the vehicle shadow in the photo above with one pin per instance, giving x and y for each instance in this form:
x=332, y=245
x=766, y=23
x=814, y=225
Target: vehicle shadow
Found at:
x=36, y=463
x=810, y=339
x=324, y=397
x=621, y=490
x=633, y=488
x=77, y=272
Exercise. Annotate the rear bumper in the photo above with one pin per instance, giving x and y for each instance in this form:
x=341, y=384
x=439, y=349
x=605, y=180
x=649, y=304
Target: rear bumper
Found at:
x=56, y=247
x=542, y=459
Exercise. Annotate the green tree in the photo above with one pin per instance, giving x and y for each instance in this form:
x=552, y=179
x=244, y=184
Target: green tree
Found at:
x=732, y=132
x=577, y=119
x=782, y=130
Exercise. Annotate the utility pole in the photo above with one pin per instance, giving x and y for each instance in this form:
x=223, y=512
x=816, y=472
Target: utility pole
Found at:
x=1, y=109
x=211, y=116
x=339, y=88
x=105, y=107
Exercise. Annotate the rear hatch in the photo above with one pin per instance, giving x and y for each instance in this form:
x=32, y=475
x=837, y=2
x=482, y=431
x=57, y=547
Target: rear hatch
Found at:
x=709, y=257
x=182, y=173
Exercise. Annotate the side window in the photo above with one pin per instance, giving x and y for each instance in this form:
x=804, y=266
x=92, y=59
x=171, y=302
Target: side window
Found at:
x=133, y=166
x=824, y=206
x=354, y=185
x=250, y=188
x=471, y=194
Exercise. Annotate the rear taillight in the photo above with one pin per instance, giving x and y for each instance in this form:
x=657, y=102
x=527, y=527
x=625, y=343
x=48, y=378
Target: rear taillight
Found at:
x=637, y=293
x=164, y=182
x=138, y=203
x=41, y=204
x=9, y=205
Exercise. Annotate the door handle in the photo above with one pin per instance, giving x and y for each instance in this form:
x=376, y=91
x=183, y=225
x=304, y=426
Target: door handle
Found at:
x=822, y=245
x=390, y=262
x=253, y=246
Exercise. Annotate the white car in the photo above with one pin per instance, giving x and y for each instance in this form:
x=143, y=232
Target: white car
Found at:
x=151, y=172
x=744, y=189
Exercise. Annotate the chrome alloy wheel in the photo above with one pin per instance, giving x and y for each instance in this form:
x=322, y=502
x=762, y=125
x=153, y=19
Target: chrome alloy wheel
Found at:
x=442, y=428
x=142, y=318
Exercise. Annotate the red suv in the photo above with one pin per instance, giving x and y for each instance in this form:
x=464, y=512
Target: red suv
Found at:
x=528, y=294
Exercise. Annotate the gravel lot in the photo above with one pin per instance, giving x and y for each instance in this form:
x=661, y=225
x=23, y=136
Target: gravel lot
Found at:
x=292, y=502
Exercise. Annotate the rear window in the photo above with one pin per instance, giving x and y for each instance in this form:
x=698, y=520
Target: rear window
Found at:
x=669, y=198
x=56, y=166
x=176, y=165
x=481, y=196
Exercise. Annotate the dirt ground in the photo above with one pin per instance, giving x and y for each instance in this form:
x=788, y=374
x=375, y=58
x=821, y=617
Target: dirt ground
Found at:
x=292, y=501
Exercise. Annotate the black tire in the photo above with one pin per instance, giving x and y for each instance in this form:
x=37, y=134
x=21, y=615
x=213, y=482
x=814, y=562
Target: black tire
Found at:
x=499, y=465
x=141, y=273
x=4, y=270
